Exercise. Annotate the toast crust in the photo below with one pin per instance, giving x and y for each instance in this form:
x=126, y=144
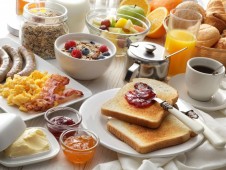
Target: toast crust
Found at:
x=151, y=116
x=144, y=140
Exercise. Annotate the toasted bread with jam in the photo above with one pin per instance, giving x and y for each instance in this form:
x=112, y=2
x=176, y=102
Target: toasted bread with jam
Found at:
x=151, y=116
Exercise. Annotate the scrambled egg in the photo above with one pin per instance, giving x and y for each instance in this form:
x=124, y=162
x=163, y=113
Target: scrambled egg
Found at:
x=22, y=89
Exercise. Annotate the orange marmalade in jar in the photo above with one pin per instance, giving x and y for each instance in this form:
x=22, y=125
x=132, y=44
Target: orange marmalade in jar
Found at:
x=78, y=145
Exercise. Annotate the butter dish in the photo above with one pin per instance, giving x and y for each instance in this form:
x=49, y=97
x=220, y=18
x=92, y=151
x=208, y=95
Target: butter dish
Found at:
x=11, y=127
x=11, y=130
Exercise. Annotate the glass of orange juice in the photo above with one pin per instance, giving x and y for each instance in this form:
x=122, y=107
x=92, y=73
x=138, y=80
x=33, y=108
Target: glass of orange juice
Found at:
x=182, y=29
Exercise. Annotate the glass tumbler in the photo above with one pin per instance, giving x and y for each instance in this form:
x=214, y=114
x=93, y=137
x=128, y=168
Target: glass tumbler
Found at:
x=182, y=30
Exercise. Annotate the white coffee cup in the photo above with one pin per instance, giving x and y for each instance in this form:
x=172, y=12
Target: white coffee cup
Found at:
x=200, y=84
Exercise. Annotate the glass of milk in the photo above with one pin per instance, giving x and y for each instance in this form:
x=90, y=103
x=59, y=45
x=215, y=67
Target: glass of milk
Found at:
x=77, y=10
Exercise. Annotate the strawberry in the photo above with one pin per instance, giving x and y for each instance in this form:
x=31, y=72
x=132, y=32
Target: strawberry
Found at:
x=69, y=44
x=76, y=53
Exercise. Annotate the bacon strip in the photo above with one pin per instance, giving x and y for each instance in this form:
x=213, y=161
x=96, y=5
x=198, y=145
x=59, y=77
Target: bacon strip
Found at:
x=52, y=93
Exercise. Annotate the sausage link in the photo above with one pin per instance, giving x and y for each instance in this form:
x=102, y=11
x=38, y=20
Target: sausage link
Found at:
x=5, y=64
x=29, y=59
x=16, y=59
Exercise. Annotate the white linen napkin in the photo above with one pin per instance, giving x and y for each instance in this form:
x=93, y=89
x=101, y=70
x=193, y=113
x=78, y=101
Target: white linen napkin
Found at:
x=203, y=157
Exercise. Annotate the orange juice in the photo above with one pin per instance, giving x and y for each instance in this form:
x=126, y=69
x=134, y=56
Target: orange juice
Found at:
x=20, y=6
x=175, y=40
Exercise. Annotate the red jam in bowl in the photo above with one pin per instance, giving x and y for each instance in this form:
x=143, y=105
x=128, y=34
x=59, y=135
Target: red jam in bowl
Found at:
x=60, y=119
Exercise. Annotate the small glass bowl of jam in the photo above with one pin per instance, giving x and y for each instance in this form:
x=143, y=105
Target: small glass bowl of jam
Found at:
x=59, y=119
x=79, y=145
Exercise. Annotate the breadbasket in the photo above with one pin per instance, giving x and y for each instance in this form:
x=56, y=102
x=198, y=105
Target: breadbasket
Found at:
x=217, y=54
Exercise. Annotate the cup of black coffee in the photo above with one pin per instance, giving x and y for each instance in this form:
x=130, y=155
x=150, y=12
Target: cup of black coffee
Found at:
x=203, y=77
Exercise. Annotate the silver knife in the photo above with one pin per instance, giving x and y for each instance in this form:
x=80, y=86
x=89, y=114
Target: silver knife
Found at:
x=215, y=139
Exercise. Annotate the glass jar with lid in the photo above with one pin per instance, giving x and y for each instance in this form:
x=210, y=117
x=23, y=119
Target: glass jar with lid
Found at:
x=43, y=23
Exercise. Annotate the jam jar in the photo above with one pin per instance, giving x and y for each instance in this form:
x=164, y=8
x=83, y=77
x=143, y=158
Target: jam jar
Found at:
x=43, y=22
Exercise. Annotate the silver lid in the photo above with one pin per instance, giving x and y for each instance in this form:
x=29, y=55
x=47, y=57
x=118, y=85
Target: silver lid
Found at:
x=146, y=51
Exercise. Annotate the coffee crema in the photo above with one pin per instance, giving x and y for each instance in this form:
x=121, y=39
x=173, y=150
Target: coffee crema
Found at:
x=203, y=69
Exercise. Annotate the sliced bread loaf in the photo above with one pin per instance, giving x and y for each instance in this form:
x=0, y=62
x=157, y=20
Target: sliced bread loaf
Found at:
x=144, y=140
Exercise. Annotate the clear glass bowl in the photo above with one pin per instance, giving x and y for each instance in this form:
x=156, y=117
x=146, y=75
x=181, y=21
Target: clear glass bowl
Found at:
x=56, y=120
x=76, y=147
x=121, y=41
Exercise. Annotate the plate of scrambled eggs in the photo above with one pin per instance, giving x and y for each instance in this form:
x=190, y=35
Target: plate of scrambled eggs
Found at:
x=11, y=102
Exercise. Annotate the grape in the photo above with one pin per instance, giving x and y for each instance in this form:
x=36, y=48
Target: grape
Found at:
x=106, y=22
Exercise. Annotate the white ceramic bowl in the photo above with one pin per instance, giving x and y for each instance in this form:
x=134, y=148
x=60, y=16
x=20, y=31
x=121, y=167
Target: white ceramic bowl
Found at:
x=83, y=69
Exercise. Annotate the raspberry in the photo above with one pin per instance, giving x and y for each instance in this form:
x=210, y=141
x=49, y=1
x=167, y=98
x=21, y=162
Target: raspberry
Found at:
x=69, y=44
x=76, y=53
x=103, y=48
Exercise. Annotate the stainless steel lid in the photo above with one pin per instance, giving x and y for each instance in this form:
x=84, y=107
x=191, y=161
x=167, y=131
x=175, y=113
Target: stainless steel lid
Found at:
x=146, y=52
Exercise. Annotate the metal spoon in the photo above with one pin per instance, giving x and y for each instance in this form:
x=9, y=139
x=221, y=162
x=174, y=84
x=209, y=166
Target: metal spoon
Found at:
x=215, y=71
x=185, y=48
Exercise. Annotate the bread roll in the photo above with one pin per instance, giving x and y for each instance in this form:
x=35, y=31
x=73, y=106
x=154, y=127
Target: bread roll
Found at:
x=194, y=6
x=207, y=35
x=221, y=44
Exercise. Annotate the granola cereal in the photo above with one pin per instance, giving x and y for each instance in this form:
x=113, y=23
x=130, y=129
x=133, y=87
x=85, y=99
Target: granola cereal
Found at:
x=39, y=36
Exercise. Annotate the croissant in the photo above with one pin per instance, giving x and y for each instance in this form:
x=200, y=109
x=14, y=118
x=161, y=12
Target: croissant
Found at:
x=216, y=15
x=215, y=6
x=216, y=21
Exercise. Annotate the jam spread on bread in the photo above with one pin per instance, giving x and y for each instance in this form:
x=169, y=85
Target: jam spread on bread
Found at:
x=141, y=96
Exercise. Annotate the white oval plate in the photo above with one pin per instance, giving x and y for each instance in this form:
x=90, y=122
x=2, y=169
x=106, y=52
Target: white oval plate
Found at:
x=93, y=120
x=43, y=66
x=31, y=159
x=217, y=102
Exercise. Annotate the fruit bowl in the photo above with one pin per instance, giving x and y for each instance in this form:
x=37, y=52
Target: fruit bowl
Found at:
x=123, y=35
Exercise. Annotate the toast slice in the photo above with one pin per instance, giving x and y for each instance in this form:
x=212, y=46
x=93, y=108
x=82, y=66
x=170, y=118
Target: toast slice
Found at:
x=144, y=140
x=151, y=116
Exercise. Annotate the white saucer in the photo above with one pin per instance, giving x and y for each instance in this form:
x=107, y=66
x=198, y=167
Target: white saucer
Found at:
x=217, y=102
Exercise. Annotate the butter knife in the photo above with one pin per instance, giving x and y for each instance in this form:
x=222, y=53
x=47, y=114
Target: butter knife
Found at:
x=215, y=139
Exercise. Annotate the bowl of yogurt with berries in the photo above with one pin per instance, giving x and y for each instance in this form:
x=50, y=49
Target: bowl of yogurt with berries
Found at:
x=84, y=56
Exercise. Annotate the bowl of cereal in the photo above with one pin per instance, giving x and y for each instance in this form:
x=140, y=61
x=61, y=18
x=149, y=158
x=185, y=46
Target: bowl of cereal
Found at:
x=84, y=56
x=121, y=29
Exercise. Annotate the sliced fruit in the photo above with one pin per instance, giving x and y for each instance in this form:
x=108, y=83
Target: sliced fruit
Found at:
x=138, y=28
x=113, y=21
x=128, y=25
x=156, y=19
x=141, y=3
x=97, y=22
x=133, y=30
x=121, y=23
x=154, y=4
x=116, y=30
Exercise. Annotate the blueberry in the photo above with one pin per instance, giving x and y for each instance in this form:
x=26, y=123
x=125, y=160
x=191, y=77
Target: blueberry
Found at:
x=106, y=53
x=70, y=49
x=85, y=51
x=92, y=42
x=101, y=57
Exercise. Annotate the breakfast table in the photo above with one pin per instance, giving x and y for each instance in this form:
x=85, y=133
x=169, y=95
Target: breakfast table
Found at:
x=112, y=78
